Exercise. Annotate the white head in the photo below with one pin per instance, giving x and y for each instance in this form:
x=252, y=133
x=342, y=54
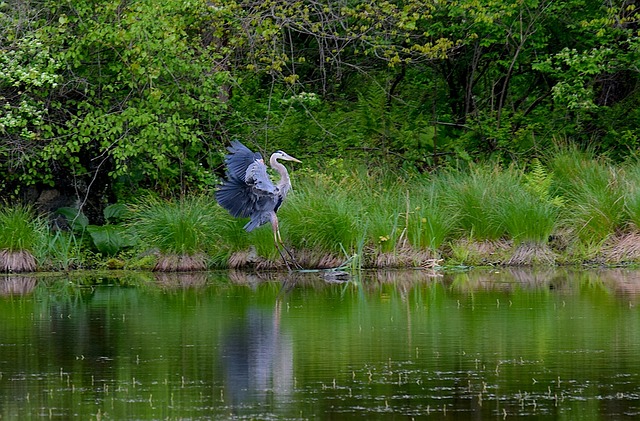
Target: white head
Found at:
x=284, y=156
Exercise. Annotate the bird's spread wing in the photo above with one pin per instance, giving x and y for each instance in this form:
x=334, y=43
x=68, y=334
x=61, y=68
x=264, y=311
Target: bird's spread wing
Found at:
x=235, y=196
x=257, y=177
x=239, y=159
x=248, y=190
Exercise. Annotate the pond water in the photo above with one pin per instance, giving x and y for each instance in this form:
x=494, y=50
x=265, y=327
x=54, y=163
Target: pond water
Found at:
x=500, y=344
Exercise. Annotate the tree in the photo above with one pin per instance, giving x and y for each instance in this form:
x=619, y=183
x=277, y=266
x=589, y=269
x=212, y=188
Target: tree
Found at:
x=130, y=97
x=29, y=73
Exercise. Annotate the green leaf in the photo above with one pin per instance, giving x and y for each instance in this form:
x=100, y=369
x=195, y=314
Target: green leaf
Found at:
x=76, y=219
x=114, y=212
x=109, y=239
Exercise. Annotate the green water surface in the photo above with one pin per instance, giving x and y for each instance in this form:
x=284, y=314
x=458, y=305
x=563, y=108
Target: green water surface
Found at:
x=490, y=344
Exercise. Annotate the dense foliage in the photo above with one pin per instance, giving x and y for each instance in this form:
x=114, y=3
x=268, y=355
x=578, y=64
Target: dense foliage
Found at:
x=101, y=99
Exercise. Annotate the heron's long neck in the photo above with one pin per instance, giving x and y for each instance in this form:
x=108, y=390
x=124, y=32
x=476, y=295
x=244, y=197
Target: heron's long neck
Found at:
x=284, y=184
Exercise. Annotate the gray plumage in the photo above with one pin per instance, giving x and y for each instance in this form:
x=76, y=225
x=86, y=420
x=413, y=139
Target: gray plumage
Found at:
x=248, y=192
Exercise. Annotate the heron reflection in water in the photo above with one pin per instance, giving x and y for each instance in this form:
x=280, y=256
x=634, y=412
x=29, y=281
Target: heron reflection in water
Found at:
x=257, y=358
x=249, y=192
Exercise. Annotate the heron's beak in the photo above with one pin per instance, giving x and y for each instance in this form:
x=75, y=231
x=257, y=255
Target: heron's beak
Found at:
x=290, y=158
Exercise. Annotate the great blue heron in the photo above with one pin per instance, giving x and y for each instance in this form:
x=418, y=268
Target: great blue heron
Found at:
x=249, y=192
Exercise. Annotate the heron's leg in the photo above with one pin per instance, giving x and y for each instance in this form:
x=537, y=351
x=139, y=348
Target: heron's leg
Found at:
x=293, y=259
x=279, y=243
x=284, y=259
x=276, y=237
x=279, y=246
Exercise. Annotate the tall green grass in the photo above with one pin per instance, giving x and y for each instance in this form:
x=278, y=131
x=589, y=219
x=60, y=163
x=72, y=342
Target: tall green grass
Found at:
x=21, y=235
x=323, y=214
x=423, y=212
x=477, y=196
x=363, y=213
x=357, y=211
x=490, y=203
x=21, y=229
x=61, y=250
x=431, y=222
x=354, y=210
x=594, y=195
x=183, y=227
x=386, y=209
x=632, y=194
x=526, y=217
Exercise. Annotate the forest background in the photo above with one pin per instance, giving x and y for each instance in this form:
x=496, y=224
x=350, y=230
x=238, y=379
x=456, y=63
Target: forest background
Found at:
x=104, y=99
x=105, y=103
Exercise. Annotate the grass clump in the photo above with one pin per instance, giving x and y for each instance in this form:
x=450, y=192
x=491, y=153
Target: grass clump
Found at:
x=183, y=231
x=632, y=194
x=494, y=216
x=431, y=223
x=386, y=208
x=478, y=197
x=62, y=251
x=324, y=215
x=527, y=218
x=21, y=234
x=594, y=195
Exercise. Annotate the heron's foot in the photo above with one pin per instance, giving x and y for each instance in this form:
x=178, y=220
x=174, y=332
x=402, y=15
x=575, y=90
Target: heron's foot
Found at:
x=296, y=264
x=291, y=259
x=294, y=261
